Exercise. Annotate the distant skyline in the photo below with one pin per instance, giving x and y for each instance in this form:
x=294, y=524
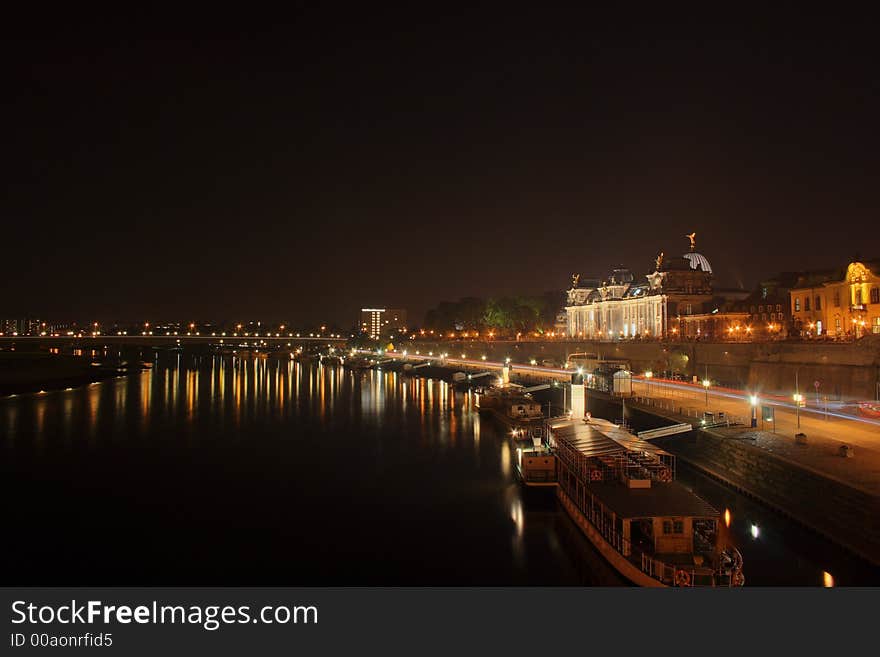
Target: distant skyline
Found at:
x=309, y=169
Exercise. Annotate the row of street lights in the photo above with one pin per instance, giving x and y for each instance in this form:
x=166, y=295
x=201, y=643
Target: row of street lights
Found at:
x=798, y=397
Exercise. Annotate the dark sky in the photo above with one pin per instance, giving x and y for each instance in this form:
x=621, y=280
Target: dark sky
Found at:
x=323, y=164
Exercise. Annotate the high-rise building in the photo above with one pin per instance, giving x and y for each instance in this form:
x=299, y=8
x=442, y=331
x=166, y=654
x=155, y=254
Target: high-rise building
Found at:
x=28, y=326
x=377, y=321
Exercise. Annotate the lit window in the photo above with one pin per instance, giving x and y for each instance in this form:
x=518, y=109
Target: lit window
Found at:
x=797, y=304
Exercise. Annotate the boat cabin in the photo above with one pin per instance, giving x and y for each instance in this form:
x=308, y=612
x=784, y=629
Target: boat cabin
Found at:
x=624, y=489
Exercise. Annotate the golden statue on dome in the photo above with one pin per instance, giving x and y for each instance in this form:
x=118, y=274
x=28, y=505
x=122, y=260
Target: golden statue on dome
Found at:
x=693, y=238
x=575, y=279
x=659, y=261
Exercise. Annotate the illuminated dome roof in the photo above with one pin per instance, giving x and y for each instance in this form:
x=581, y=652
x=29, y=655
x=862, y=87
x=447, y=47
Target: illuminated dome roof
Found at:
x=698, y=261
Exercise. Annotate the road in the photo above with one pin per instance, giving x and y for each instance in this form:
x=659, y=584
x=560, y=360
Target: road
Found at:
x=833, y=424
x=836, y=424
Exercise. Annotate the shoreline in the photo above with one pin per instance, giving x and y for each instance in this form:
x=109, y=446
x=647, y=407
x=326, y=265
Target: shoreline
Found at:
x=24, y=373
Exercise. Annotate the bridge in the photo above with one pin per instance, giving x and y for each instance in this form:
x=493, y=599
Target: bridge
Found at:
x=112, y=338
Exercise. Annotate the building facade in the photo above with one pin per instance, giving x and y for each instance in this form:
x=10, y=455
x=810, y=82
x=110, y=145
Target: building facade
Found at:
x=27, y=326
x=622, y=307
x=840, y=304
x=376, y=321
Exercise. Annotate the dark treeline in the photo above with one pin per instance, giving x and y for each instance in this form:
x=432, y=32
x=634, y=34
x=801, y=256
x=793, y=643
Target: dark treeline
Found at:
x=503, y=314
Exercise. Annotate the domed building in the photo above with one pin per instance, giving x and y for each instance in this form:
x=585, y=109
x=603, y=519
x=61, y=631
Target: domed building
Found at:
x=698, y=261
x=622, y=307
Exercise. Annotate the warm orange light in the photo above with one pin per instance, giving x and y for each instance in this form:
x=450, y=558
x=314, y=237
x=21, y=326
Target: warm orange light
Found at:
x=727, y=517
x=827, y=579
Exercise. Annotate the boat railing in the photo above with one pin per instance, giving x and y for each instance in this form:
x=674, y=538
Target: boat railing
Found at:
x=620, y=466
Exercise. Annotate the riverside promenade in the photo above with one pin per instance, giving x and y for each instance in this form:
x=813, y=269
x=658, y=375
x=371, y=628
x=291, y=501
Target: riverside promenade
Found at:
x=835, y=496
x=812, y=482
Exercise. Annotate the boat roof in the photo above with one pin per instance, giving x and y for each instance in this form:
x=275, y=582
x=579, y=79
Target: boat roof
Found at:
x=598, y=437
x=661, y=499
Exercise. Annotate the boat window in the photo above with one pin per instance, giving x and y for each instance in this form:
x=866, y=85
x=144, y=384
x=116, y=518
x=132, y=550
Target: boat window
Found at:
x=673, y=527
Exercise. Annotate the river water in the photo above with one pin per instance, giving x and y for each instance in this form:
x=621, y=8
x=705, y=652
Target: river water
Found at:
x=225, y=471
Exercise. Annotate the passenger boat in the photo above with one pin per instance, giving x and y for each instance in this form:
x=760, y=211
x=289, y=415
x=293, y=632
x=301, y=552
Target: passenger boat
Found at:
x=512, y=408
x=357, y=363
x=621, y=492
x=536, y=464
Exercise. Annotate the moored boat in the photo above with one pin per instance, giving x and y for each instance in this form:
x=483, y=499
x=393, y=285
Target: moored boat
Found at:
x=622, y=494
x=513, y=409
x=536, y=464
x=357, y=363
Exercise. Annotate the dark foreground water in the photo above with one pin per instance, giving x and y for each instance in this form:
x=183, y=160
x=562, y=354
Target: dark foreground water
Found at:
x=214, y=470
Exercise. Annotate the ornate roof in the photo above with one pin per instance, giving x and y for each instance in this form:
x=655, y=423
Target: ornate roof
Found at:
x=698, y=261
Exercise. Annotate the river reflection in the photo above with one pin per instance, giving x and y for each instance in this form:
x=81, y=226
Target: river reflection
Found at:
x=222, y=470
x=225, y=470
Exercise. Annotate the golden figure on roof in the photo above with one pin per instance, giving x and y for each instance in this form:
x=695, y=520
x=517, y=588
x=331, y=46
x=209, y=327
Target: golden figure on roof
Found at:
x=659, y=261
x=575, y=279
x=693, y=238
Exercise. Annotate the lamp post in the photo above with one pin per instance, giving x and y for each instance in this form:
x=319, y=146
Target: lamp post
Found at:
x=753, y=400
x=706, y=385
x=797, y=398
x=648, y=376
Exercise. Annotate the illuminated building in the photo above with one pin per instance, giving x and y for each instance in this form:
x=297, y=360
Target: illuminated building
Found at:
x=375, y=321
x=838, y=303
x=623, y=308
x=21, y=326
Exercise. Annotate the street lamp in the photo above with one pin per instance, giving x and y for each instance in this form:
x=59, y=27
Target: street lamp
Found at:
x=753, y=400
x=648, y=375
x=706, y=386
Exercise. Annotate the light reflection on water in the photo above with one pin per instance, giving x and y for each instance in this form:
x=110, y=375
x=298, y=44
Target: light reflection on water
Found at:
x=285, y=450
x=270, y=470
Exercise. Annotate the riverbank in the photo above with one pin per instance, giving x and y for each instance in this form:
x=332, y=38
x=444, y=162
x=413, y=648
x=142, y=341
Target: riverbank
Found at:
x=816, y=509
x=833, y=496
x=28, y=372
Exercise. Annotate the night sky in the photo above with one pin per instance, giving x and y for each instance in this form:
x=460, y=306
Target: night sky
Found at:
x=304, y=170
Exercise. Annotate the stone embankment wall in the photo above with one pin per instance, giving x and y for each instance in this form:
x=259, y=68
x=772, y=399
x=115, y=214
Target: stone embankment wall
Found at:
x=844, y=370
x=843, y=514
